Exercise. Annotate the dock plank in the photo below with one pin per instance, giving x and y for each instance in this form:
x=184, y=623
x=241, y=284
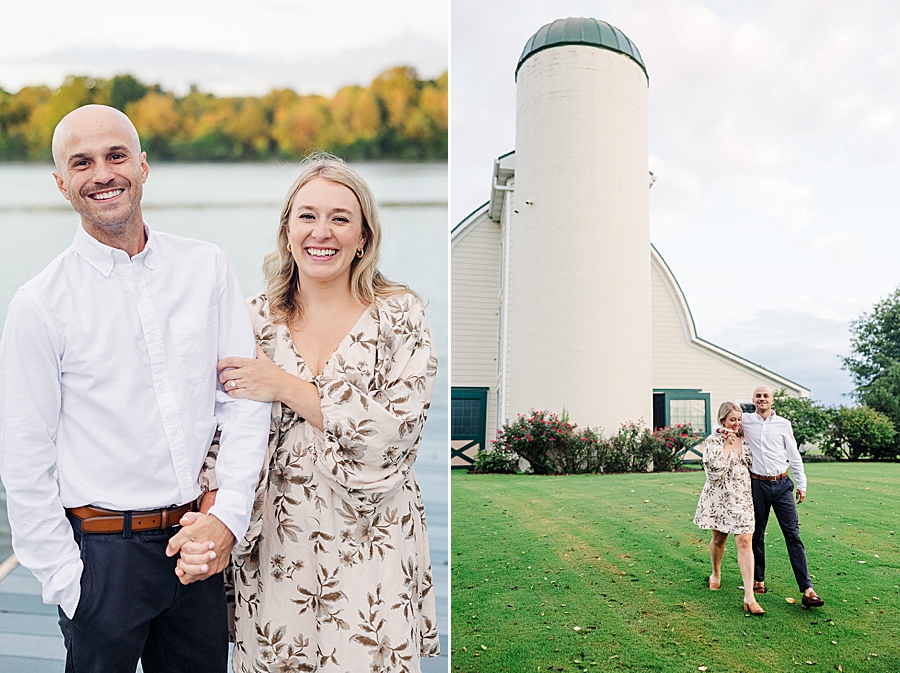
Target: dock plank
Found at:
x=28, y=665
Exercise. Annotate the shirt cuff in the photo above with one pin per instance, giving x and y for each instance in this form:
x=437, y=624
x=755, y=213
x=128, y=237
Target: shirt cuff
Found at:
x=232, y=509
x=64, y=588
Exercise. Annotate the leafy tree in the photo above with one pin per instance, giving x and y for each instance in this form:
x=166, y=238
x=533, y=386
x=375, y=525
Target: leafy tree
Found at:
x=808, y=418
x=860, y=431
x=875, y=360
x=875, y=341
x=125, y=89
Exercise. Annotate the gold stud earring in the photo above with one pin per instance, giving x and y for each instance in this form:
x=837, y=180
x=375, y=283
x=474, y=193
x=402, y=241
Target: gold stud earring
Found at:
x=359, y=253
x=289, y=247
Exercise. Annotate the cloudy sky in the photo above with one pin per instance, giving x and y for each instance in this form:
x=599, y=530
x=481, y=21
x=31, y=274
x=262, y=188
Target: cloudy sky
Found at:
x=775, y=139
x=225, y=46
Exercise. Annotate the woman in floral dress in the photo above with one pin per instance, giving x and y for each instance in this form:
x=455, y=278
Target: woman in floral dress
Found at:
x=726, y=503
x=334, y=573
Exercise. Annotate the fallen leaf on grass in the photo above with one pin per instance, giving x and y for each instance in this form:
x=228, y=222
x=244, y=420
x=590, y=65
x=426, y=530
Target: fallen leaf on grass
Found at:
x=791, y=600
x=860, y=561
x=701, y=668
x=484, y=647
x=576, y=628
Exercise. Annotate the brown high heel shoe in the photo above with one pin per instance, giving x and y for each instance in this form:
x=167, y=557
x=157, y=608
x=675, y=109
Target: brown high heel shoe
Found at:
x=754, y=608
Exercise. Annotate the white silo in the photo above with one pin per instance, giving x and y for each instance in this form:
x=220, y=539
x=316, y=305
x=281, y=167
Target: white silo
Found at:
x=579, y=242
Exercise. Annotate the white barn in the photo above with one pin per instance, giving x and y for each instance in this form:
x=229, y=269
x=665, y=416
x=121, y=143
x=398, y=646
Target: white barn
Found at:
x=559, y=300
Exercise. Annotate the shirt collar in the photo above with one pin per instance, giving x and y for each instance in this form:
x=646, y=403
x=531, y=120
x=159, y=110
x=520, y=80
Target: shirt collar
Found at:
x=103, y=258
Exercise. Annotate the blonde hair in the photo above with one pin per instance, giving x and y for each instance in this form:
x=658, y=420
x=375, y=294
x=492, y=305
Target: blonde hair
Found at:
x=726, y=408
x=366, y=281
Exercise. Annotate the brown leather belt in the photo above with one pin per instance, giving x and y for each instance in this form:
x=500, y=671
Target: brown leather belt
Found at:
x=98, y=520
x=765, y=478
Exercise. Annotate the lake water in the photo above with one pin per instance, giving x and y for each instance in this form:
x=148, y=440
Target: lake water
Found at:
x=237, y=207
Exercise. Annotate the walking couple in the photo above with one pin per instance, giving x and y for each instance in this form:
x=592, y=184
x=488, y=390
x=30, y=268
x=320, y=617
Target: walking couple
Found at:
x=746, y=462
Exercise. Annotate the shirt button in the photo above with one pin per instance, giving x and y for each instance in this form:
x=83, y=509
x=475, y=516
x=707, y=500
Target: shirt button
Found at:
x=173, y=433
x=161, y=385
x=152, y=338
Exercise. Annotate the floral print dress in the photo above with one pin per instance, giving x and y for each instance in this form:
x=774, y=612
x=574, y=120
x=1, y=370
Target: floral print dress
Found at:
x=334, y=573
x=726, y=503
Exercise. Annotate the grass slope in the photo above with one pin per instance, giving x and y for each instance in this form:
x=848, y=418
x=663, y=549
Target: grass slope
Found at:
x=588, y=573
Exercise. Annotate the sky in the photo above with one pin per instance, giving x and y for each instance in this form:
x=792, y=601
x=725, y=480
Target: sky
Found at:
x=775, y=139
x=228, y=47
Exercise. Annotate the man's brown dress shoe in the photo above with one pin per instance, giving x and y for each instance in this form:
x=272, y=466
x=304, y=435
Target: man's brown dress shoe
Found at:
x=812, y=601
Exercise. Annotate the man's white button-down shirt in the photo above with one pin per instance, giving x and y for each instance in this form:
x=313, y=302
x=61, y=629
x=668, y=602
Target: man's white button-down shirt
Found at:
x=109, y=394
x=772, y=447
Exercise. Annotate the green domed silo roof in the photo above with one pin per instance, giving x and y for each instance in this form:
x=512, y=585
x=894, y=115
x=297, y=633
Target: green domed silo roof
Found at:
x=589, y=32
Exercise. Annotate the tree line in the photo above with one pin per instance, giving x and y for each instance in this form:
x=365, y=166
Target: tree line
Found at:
x=397, y=117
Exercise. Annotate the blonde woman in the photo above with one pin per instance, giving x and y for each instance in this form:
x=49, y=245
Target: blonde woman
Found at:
x=334, y=574
x=726, y=503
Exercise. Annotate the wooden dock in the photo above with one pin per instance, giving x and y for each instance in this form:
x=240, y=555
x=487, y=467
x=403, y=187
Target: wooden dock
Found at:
x=30, y=641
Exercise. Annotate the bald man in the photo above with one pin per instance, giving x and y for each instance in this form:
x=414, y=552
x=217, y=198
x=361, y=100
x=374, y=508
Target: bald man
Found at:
x=773, y=449
x=108, y=402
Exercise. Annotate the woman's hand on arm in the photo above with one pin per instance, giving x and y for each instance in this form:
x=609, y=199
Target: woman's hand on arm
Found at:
x=256, y=378
x=262, y=380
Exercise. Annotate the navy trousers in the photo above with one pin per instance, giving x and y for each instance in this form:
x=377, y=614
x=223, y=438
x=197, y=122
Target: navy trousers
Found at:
x=133, y=607
x=778, y=496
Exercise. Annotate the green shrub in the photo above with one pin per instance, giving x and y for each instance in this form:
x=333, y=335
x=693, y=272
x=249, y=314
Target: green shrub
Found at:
x=590, y=445
x=500, y=460
x=856, y=432
x=629, y=450
x=670, y=443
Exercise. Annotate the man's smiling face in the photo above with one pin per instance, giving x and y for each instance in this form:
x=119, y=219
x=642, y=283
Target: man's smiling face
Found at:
x=762, y=399
x=100, y=168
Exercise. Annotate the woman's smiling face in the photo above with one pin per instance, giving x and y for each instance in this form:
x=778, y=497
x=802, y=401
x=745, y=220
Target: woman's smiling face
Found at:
x=325, y=230
x=732, y=420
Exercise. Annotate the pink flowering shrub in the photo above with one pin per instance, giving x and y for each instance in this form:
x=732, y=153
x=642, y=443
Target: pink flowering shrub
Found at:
x=543, y=439
x=553, y=445
x=670, y=443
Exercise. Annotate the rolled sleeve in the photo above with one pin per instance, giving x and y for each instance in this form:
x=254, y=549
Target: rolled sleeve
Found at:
x=794, y=458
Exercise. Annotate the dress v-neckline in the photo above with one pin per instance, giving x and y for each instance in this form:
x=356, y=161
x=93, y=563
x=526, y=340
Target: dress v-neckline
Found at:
x=304, y=366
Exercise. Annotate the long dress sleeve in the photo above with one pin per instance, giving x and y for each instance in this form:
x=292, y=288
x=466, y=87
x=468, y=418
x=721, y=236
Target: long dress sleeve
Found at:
x=714, y=461
x=371, y=433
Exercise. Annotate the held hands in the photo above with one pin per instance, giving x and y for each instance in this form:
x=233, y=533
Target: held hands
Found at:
x=257, y=378
x=204, y=543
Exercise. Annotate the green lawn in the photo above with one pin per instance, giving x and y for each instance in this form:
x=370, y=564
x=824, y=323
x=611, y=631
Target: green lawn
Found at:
x=590, y=573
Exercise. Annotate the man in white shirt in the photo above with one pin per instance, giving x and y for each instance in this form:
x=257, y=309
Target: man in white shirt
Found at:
x=773, y=449
x=108, y=402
